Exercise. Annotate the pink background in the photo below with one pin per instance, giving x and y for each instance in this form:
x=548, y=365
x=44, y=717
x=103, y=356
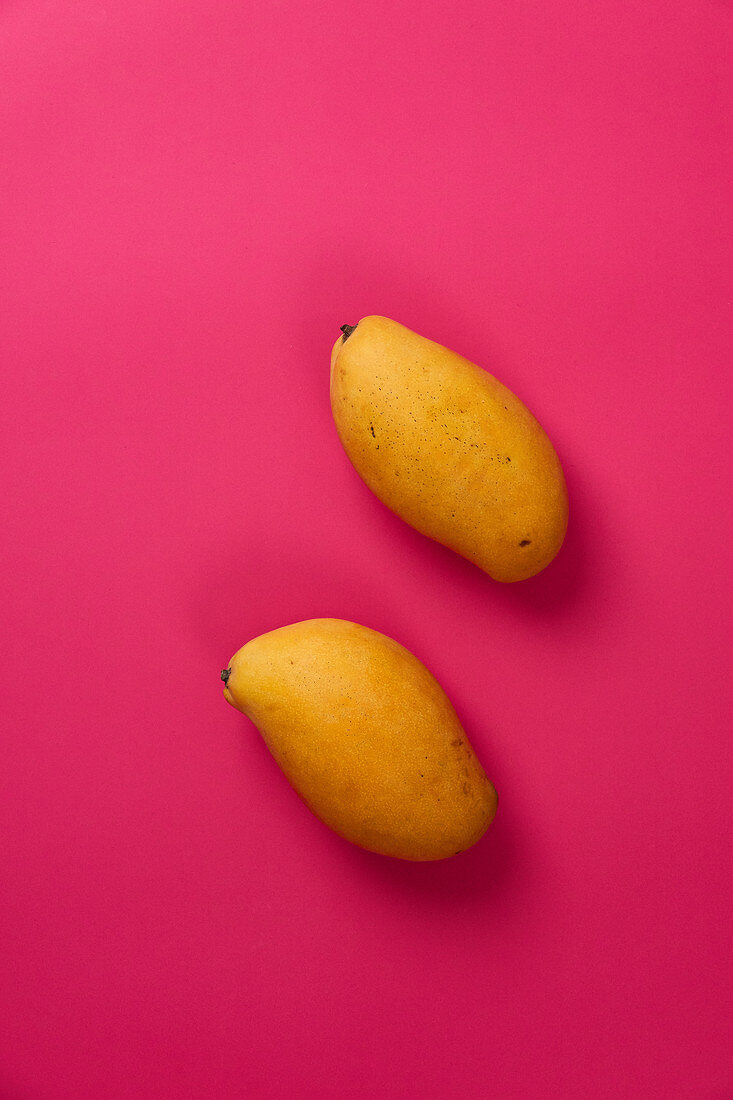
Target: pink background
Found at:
x=194, y=197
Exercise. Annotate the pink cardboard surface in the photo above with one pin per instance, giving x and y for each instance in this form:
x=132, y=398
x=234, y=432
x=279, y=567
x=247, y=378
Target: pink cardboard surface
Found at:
x=194, y=198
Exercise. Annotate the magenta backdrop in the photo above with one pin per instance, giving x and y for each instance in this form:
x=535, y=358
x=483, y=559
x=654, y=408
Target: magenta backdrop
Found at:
x=194, y=197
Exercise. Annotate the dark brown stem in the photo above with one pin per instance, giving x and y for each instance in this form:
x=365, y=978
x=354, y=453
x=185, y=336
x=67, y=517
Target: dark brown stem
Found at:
x=347, y=331
x=225, y=674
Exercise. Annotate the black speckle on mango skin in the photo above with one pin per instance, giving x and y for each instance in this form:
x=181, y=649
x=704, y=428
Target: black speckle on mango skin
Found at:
x=525, y=542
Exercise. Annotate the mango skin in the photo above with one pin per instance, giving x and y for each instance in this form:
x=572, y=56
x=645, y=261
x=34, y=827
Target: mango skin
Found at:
x=448, y=448
x=366, y=736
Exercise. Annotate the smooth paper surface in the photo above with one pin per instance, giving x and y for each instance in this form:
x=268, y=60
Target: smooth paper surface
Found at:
x=194, y=197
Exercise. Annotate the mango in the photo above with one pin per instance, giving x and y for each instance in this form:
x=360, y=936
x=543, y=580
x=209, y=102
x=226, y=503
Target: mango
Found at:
x=366, y=736
x=448, y=448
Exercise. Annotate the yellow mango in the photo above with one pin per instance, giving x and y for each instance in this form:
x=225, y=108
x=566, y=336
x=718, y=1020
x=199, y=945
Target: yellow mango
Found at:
x=366, y=736
x=448, y=448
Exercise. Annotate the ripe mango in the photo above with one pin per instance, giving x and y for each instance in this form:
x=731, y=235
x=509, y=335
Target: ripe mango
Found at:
x=448, y=448
x=366, y=736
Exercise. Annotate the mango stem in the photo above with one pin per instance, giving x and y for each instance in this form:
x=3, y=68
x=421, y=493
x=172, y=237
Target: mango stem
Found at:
x=347, y=331
x=225, y=674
